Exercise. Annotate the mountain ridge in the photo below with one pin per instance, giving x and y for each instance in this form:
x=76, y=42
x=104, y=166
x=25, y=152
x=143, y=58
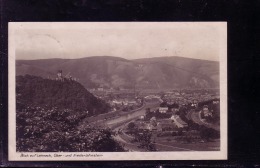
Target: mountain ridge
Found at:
x=104, y=56
x=116, y=72
x=163, y=57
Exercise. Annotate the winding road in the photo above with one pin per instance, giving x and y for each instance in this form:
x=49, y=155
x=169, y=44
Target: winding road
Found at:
x=196, y=117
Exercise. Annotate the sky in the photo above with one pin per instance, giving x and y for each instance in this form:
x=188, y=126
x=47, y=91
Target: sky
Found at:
x=130, y=40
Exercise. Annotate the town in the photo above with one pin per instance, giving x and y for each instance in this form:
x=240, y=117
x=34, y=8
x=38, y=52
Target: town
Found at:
x=153, y=120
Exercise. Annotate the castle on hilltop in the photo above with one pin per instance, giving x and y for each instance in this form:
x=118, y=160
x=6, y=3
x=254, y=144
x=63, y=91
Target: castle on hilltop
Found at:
x=60, y=77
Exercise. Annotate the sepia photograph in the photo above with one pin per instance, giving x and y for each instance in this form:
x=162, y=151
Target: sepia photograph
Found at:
x=117, y=91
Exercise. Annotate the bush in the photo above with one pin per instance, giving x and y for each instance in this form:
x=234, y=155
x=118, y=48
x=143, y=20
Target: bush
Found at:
x=39, y=131
x=165, y=133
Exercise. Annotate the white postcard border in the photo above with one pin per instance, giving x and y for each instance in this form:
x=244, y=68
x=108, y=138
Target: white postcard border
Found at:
x=101, y=156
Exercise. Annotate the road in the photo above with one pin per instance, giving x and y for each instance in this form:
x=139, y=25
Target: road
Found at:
x=128, y=117
x=196, y=117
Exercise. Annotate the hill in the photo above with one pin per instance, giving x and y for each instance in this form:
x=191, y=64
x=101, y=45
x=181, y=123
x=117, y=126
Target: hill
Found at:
x=48, y=114
x=35, y=91
x=181, y=72
x=113, y=72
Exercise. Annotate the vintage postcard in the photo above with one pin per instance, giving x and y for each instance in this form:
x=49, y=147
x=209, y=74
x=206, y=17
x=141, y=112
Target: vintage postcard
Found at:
x=117, y=91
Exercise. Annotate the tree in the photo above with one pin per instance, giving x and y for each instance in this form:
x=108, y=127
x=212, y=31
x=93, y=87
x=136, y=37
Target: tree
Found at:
x=209, y=133
x=163, y=104
x=147, y=110
x=162, y=94
x=144, y=138
x=131, y=126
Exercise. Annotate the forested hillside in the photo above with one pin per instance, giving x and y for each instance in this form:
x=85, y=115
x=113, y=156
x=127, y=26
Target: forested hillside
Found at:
x=48, y=114
x=35, y=91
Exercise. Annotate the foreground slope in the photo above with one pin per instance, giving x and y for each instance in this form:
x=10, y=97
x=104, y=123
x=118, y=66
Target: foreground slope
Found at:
x=48, y=114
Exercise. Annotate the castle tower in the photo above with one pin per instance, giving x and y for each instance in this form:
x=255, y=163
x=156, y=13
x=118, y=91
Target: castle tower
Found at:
x=59, y=74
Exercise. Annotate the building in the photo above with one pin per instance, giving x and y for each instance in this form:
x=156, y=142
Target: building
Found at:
x=206, y=112
x=194, y=104
x=166, y=125
x=132, y=102
x=100, y=89
x=152, y=127
x=142, y=117
x=163, y=109
x=178, y=121
x=59, y=75
x=142, y=126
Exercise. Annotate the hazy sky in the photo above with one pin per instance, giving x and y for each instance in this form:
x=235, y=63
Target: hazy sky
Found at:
x=130, y=40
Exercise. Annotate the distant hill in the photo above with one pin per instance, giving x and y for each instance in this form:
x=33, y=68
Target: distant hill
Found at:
x=113, y=72
x=32, y=91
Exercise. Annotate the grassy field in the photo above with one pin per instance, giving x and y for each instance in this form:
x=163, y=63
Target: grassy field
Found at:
x=196, y=146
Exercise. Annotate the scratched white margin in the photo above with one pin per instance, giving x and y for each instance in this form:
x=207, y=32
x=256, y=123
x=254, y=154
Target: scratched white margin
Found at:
x=13, y=155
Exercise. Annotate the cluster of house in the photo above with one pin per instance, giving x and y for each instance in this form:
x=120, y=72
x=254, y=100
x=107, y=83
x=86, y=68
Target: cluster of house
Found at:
x=102, y=89
x=124, y=102
x=117, y=104
x=153, y=98
x=188, y=98
x=206, y=112
x=165, y=110
x=168, y=124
